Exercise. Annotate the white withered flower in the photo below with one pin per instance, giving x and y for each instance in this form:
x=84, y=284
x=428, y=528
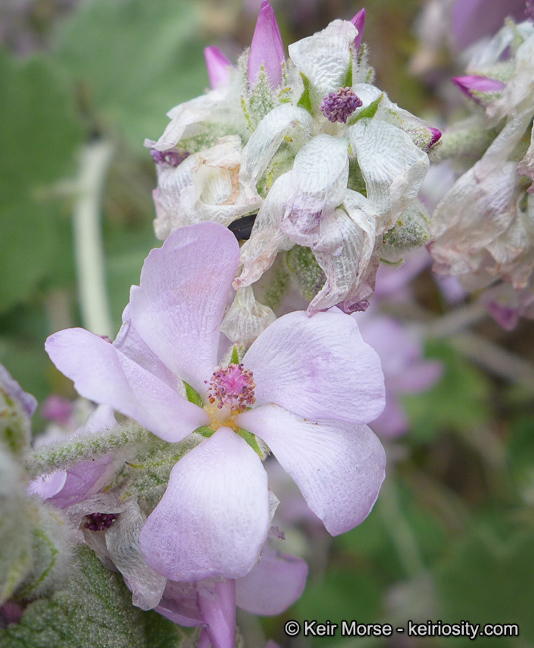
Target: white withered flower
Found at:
x=322, y=156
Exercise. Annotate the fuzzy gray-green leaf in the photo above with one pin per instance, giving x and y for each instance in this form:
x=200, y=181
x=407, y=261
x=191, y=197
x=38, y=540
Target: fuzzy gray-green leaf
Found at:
x=94, y=610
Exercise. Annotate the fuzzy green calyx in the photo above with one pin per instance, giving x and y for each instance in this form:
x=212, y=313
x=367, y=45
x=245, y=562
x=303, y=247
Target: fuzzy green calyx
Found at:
x=306, y=274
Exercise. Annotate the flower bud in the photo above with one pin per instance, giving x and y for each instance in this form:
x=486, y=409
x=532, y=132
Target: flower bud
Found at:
x=480, y=89
x=266, y=49
x=16, y=409
x=359, y=22
x=218, y=67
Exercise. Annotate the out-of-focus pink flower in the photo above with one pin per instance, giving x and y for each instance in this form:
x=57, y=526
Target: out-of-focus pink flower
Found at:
x=57, y=409
x=266, y=49
x=392, y=282
x=406, y=371
x=218, y=66
x=474, y=19
x=457, y=24
x=314, y=383
x=268, y=590
x=507, y=305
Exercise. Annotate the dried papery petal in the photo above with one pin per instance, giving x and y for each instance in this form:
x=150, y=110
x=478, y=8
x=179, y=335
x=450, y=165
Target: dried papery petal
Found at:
x=326, y=56
x=168, y=158
x=247, y=318
x=122, y=542
x=286, y=173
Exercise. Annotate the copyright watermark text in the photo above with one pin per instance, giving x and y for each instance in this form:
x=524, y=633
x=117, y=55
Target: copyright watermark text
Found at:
x=311, y=628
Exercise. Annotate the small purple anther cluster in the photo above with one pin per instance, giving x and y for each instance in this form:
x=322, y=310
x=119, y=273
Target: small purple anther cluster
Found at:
x=232, y=387
x=529, y=9
x=168, y=158
x=339, y=106
x=99, y=521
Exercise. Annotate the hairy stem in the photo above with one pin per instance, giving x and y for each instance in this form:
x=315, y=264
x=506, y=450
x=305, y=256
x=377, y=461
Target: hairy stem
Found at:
x=57, y=456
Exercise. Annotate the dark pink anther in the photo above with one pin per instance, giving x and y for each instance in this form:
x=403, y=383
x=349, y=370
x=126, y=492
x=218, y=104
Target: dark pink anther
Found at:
x=100, y=521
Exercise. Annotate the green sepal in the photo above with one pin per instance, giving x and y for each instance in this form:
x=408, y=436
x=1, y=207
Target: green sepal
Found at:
x=246, y=113
x=205, y=431
x=410, y=231
x=369, y=111
x=356, y=181
x=261, y=100
x=251, y=440
x=348, y=78
x=234, y=358
x=305, y=100
x=192, y=395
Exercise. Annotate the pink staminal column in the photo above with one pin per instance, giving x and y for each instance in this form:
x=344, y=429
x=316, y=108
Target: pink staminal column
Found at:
x=232, y=387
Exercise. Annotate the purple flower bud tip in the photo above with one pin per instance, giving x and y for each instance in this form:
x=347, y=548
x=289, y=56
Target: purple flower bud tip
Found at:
x=218, y=66
x=436, y=136
x=529, y=9
x=338, y=106
x=266, y=48
x=472, y=84
x=168, y=158
x=359, y=22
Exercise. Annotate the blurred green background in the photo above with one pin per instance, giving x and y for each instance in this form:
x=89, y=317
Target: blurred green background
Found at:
x=452, y=535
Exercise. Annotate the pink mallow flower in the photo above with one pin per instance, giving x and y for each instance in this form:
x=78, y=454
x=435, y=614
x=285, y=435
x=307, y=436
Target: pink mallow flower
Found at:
x=57, y=409
x=274, y=584
x=306, y=387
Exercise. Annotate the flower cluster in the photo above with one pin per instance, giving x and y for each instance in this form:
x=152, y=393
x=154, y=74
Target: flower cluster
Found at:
x=483, y=226
x=301, y=153
x=311, y=147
